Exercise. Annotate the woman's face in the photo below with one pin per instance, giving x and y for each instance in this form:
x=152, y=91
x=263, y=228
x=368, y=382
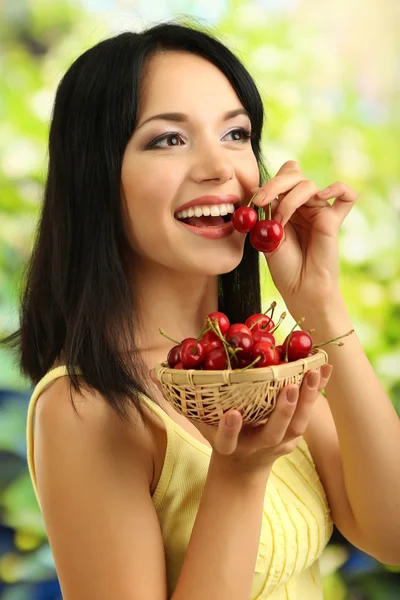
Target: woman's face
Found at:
x=201, y=154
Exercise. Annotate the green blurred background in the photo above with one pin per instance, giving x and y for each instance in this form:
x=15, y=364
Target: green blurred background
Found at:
x=330, y=79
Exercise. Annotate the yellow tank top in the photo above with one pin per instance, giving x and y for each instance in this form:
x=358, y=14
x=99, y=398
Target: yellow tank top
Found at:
x=296, y=521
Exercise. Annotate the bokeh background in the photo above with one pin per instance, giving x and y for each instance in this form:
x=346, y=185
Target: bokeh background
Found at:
x=329, y=75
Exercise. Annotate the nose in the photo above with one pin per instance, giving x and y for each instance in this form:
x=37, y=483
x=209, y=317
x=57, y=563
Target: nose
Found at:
x=212, y=165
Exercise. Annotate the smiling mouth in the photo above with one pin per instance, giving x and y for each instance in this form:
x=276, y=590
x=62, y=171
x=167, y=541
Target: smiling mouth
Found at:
x=209, y=221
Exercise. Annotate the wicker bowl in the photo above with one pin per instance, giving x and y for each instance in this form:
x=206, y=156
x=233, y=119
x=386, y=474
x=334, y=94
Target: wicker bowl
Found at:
x=204, y=396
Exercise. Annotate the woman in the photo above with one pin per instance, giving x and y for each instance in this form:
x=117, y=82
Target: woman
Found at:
x=138, y=501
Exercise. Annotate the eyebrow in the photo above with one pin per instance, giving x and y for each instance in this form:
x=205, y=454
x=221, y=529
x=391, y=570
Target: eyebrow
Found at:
x=178, y=117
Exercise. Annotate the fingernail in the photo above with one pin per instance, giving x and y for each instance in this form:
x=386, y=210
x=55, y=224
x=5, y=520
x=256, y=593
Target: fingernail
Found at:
x=293, y=394
x=312, y=379
x=260, y=197
x=232, y=420
x=327, y=370
x=324, y=192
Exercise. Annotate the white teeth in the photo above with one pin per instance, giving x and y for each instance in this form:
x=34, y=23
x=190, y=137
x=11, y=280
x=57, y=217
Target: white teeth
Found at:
x=214, y=210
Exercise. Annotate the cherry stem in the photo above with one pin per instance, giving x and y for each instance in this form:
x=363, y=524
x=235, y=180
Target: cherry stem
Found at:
x=273, y=304
x=215, y=327
x=281, y=318
x=290, y=335
x=270, y=211
x=334, y=340
x=251, y=364
x=167, y=336
x=252, y=198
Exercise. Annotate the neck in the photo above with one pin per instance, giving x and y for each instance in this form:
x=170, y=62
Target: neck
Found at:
x=173, y=301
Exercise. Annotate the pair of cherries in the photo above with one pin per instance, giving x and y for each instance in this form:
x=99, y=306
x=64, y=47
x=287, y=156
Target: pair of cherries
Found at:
x=265, y=235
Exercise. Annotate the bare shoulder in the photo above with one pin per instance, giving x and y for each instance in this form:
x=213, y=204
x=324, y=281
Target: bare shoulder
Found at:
x=94, y=474
x=96, y=420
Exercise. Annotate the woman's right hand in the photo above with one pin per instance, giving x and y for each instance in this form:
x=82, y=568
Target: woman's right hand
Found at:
x=254, y=448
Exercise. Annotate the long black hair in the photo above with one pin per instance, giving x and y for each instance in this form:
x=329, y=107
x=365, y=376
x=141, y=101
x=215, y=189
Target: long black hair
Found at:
x=75, y=294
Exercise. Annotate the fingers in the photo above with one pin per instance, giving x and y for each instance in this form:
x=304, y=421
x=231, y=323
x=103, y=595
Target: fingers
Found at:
x=311, y=386
x=278, y=185
x=229, y=427
x=155, y=380
x=274, y=431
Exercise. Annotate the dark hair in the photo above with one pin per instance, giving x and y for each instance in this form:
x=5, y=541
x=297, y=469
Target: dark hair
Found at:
x=75, y=296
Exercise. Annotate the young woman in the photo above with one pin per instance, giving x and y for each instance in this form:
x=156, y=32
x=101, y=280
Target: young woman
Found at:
x=138, y=501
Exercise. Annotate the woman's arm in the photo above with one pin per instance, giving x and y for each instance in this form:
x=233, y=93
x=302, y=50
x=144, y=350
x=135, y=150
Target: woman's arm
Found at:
x=357, y=453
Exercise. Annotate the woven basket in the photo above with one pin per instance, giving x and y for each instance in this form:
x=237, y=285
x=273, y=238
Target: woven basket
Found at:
x=205, y=396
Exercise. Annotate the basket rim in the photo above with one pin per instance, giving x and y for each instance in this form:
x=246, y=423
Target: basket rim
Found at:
x=166, y=374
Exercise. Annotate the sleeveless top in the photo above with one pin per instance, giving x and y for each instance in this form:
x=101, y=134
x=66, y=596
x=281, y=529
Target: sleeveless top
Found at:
x=296, y=520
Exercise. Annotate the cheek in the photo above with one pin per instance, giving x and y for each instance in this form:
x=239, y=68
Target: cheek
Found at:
x=248, y=172
x=149, y=185
x=148, y=194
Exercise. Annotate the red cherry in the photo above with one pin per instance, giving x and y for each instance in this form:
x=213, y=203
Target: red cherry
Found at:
x=238, y=328
x=244, y=219
x=244, y=361
x=178, y=365
x=266, y=235
x=174, y=355
x=216, y=360
x=264, y=322
x=300, y=344
x=209, y=341
x=263, y=336
x=191, y=353
x=268, y=353
x=281, y=351
x=239, y=336
x=222, y=319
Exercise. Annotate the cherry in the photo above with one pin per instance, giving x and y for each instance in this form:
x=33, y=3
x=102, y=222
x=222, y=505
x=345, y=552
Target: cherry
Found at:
x=239, y=336
x=266, y=235
x=209, y=341
x=268, y=353
x=281, y=351
x=174, y=355
x=244, y=219
x=244, y=361
x=222, y=319
x=237, y=328
x=178, y=365
x=216, y=360
x=240, y=339
x=191, y=354
x=263, y=336
x=259, y=321
x=299, y=345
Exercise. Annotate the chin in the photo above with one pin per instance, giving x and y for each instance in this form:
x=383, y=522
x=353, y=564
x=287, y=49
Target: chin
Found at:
x=220, y=264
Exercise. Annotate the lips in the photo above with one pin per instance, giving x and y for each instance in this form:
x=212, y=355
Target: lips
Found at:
x=209, y=200
x=212, y=233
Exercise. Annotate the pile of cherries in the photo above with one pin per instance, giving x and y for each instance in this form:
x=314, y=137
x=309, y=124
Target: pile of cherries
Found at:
x=240, y=346
x=265, y=234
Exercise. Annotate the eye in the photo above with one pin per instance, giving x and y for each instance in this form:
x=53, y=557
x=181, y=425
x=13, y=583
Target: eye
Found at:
x=173, y=136
x=241, y=131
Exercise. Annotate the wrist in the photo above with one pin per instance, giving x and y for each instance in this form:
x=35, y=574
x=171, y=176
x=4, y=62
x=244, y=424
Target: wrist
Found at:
x=237, y=472
x=328, y=320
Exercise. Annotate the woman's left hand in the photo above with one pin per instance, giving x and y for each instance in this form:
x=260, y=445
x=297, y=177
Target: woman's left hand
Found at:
x=305, y=266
